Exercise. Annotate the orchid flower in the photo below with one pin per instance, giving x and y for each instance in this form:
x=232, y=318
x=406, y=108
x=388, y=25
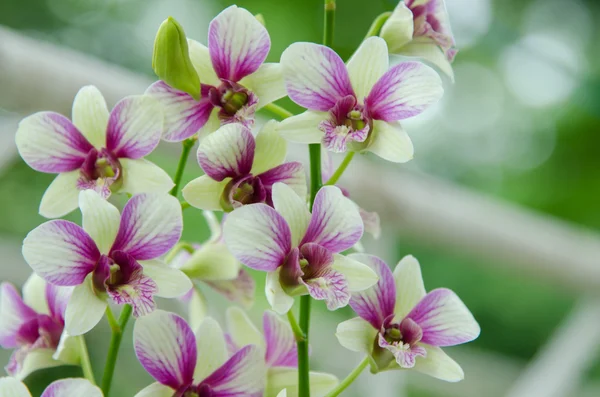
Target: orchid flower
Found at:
x=278, y=343
x=184, y=364
x=97, y=150
x=421, y=28
x=112, y=256
x=213, y=264
x=235, y=80
x=240, y=169
x=356, y=106
x=300, y=250
x=34, y=327
x=70, y=387
x=401, y=327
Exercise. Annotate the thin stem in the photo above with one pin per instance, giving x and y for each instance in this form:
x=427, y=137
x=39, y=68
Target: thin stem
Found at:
x=338, y=173
x=113, y=349
x=349, y=379
x=182, y=245
x=329, y=22
x=86, y=364
x=112, y=321
x=279, y=111
x=377, y=24
x=316, y=179
x=303, y=361
x=185, y=152
x=298, y=334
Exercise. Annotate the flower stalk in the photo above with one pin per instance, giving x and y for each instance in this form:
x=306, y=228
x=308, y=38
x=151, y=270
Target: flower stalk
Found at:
x=185, y=152
x=115, y=343
x=377, y=24
x=86, y=364
x=340, y=171
x=349, y=379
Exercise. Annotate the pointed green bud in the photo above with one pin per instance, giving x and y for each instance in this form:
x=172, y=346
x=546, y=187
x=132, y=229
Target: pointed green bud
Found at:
x=171, y=59
x=260, y=18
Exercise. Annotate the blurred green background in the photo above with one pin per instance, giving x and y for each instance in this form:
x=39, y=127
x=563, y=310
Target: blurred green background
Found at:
x=521, y=123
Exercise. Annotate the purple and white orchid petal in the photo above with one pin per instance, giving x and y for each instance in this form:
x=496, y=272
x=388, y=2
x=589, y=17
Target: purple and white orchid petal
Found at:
x=444, y=319
x=357, y=335
x=358, y=275
x=293, y=209
x=241, y=330
x=258, y=236
x=404, y=91
x=13, y=314
x=266, y=83
x=270, y=150
x=205, y=193
x=49, y=142
x=171, y=283
x=405, y=354
x=279, y=300
x=281, y=378
x=151, y=225
x=85, y=309
x=291, y=174
x=409, y=286
x=439, y=365
x=134, y=127
x=391, y=142
x=90, y=115
x=166, y=347
x=228, y=153
x=62, y=196
x=315, y=76
x=200, y=57
x=34, y=294
x=155, y=390
x=72, y=387
x=243, y=375
x=58, y=299
x=100, y=219
x=238, y=43
x=335, y=223
x=33, y=361
x=143, y=176
x=280, y=341
x=212, y=349
x=61, y=252
x=183, y=115
x=68, y=350
x=330, y=286
x=377, y=303
x=367, y=65
x=303, y=128
x=240, y=289
x=398, y=30
x=11, y=387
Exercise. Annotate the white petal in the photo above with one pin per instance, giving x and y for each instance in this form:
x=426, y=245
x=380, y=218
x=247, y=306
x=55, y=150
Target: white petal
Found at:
x=155, y=390
x=367, y=65
x=197, y=309
x=212, y=262
x=212, y=349
x=280, y=302
x=200, y=58
x=270, y=150
x=142, y=176
x=35, y=360
x=72, y=387
x=358, y=275
x=391, y=142
x=303, y=128
x=409, y=285
x=34, y=294
x=267, y=83
x=171, y=283
x=357, y=335
x=85, y=309
x=281, y=379
x=283, y=393
x=68, y=350
x=241, y=329
x=398, y=30
x=294, y=210
x=205, y=193
x=100, y=219
x=10, y=387
x=62, y=195
x=90, y=115
x=439, y=365
x=429, y=53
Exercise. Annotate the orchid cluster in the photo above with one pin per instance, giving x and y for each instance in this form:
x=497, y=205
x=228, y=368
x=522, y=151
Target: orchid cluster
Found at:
x=262, y=214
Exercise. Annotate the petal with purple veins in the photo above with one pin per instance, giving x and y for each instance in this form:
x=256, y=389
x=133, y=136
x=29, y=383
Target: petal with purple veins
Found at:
x=13, y=314
x=292, y=174
x=72, y=387
x=330, y=286
x=280, y=341
x=58, y=299
x=405, y=354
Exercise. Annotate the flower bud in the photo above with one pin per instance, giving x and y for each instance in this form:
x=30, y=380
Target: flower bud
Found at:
x=171, y=59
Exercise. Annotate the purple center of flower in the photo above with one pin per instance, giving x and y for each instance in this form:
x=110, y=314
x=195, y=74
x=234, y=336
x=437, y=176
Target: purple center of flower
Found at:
x=427, y=24
x=401, y=340
x=237, y=103
x=101, y=171
x=201, y=390
x=42, y=331
x=243, y=190
x=407, y=332
x=349, y=122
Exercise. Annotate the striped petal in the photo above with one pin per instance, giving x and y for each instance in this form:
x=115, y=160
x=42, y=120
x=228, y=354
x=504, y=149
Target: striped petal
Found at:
x=72, y=387
x=444, y=319
x=142, y=176
x=391, y=142
x=212, y=349
x=315, y=76
x=357, y=335
x=62, y=196
x=238, y=43
x=332, y=287
x=439, y=365
x=13, y=314
x=293, y=209
x=270, y=150
x=404, y=91
x=377, y=303
x=184, y=116
x=257, y=236
x=280, y=341
x=205, y=193
x=100, y=219
x=291, y=174
x=367, y=65
x=303, y=128
x=266, y=83
x=11, y=387
x=90, y=115
x=84, y=309
x=335, y=223
x=227, y=153
x=241, y=330
x=409, y=286
x=49, y=142
x=358, y=275
x=151, y=225
x=61, y=252
x=280, y=379
x=166, y=347
x=134, y=127
x=58, y=299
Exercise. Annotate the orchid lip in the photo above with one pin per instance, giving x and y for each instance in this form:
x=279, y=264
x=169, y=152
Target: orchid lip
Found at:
x=244, y=190
x=236, y=102
x=101, y=165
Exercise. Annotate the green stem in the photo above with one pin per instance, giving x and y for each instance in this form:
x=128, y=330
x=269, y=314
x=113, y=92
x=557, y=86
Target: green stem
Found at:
x=182, y=245
x=377, y=24
x=338, y=173
x=329, y=22
x=185, y=152
x=115, y=343
x=316, y=180
x=86, y=364
x=303, y=361
x=349, y=379
x=298, y=334
x=279, y=111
